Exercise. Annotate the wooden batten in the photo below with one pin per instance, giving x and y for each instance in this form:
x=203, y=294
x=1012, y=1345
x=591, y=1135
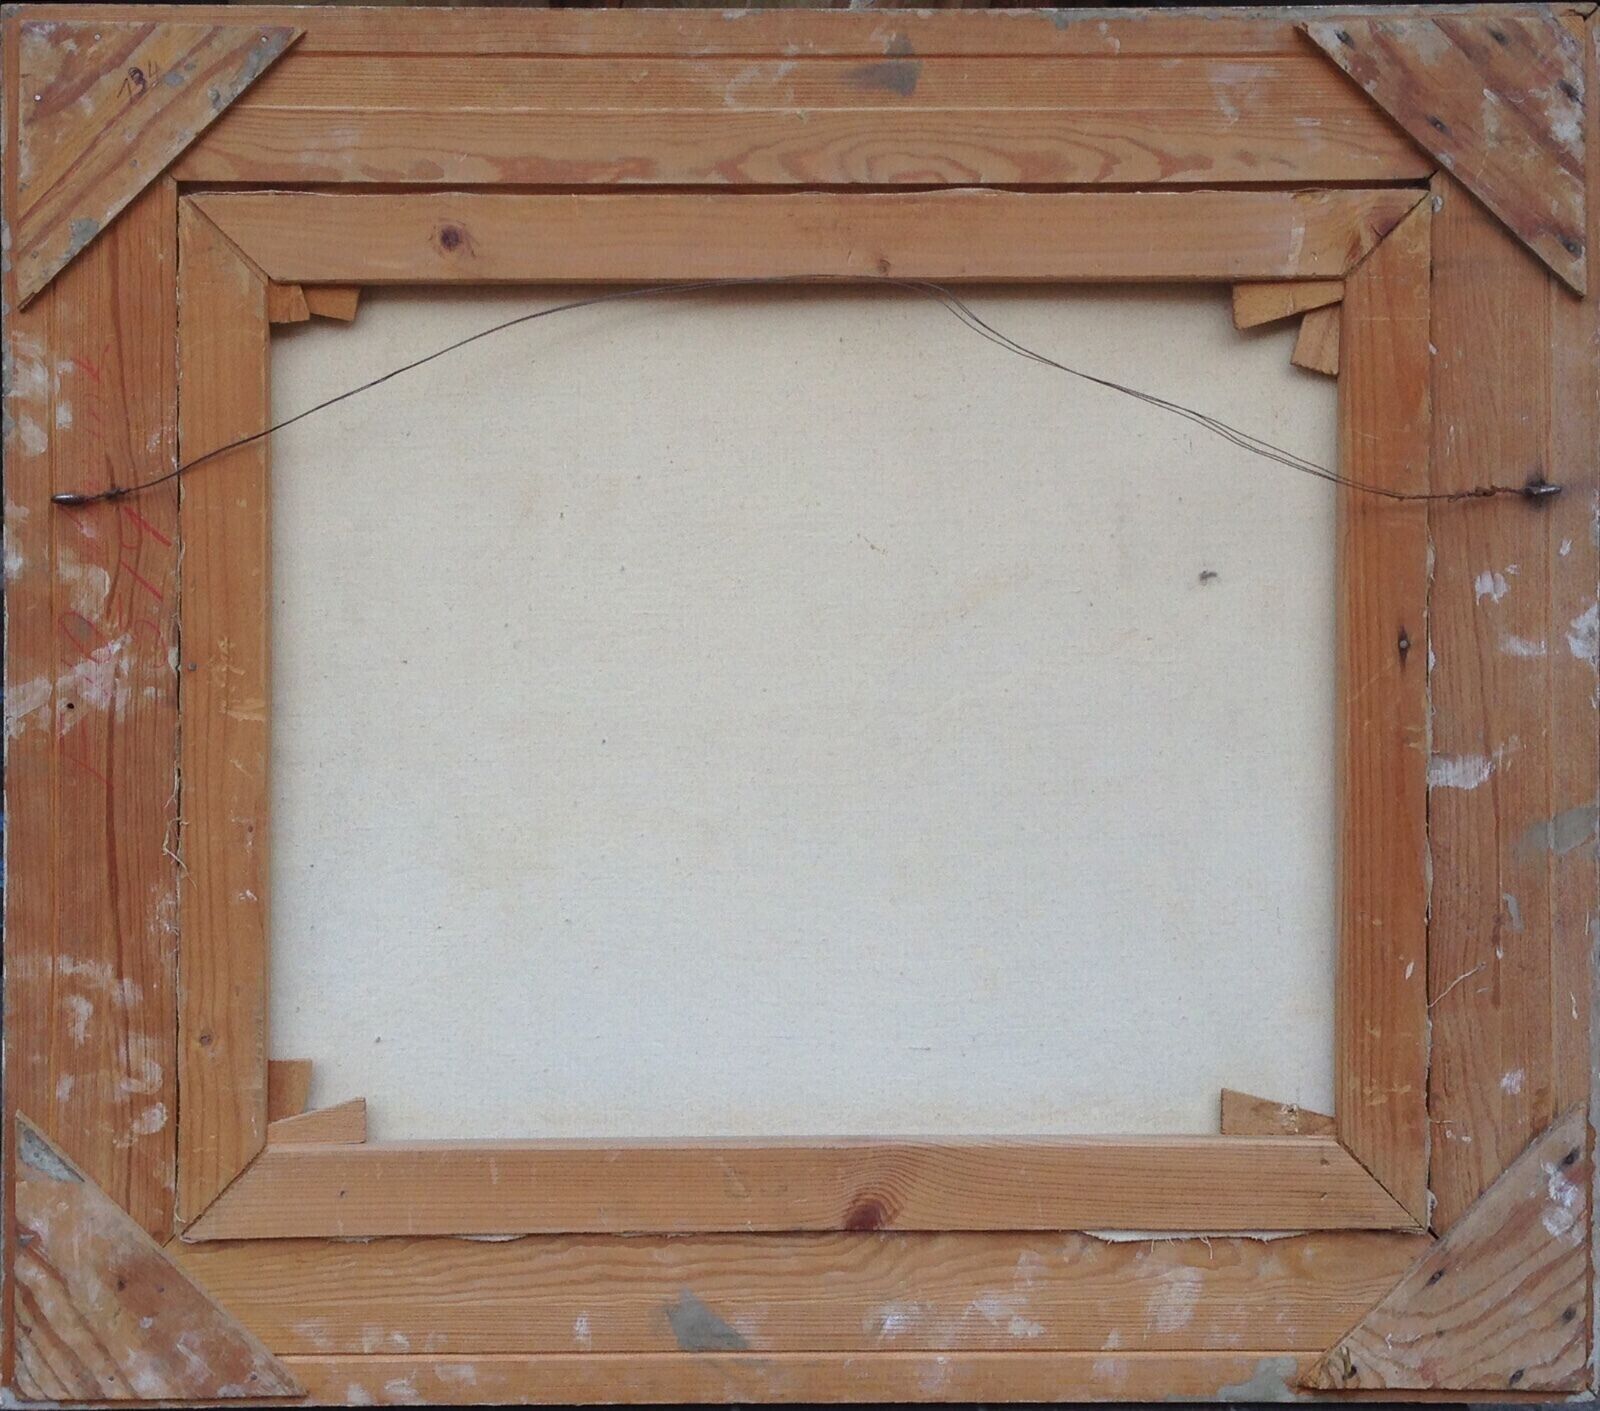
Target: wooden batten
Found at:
x=842, y=1292
x=104, y=107
x=1500, y=1303
x=1218, y=1184
x=1497, y=99
x=103, y=1314
x=1381, y=689
x=222, y=1061
x=484, y=237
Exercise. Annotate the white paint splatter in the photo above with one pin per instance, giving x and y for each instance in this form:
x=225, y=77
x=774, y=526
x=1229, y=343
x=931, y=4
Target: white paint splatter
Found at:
x=78, y=1026
x=1468, y=771
x=87, y=584
x=150, y=1121
x=1515, y=646
x=403, y=1390
x=1563, y=1216
x=30, y=435
x=580, y=1332
x=1566, y=548
x=1491, y=585
x=1172, y=1304
x=23, y=703
x=96, y=681
x=1583, y=636
x=1512, y=1082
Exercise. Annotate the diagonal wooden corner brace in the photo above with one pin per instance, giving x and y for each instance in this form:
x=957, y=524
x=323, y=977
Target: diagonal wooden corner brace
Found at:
x=102, y=1314
x=1498, y=1304
x=1497, y=100
x=102, y=109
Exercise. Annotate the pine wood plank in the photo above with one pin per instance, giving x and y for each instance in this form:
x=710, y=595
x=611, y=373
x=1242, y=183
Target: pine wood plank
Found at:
x=806, y=147
x=1381, y=1016
x=1197, y=84
x=1574, y=595
x=893, y=118
x=222, y=354
x=334, y=301
x=424, y=238
x=1498, y=100
x=343, y=1122
x=1514, y=777
x=103, y=1314
x=796, y=1293
x=91, y=714
x=106, y=106
x=814, y=1377
x=1498, y=1303
x=288, y=1087
x=795, y=33
x=1174, y=1183
x=1316, y=345
x=1247, y=1116
x=1255, y=304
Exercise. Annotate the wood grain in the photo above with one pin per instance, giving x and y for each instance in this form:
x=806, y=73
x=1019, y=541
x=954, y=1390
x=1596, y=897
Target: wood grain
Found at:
x=1316, y=345
x=1255, y=304
x=1513, y=686
x=900, y=117
x=91, y=714
x=343, y=1122
x=1498, y=1303
x=1174, y=1183
x=1381, y=1015
x=797, y=1293
x=1247, y=1116
x=106, y=107
x=1499, y=100
x=996, y=236
x=103, y=1314
x=222, y=353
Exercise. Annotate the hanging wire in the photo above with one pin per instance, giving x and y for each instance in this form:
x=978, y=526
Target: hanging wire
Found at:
x=962, y=311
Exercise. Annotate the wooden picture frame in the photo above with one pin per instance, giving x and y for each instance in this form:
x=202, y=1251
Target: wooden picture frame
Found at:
x=178, y=181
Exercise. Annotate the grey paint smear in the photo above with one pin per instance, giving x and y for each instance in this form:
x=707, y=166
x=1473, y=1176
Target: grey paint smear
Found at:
x=1568, y=831
x=891, y=76
x=36, y=1153
x=698, y=1329
x=80, y=232
x=1269, y=1382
